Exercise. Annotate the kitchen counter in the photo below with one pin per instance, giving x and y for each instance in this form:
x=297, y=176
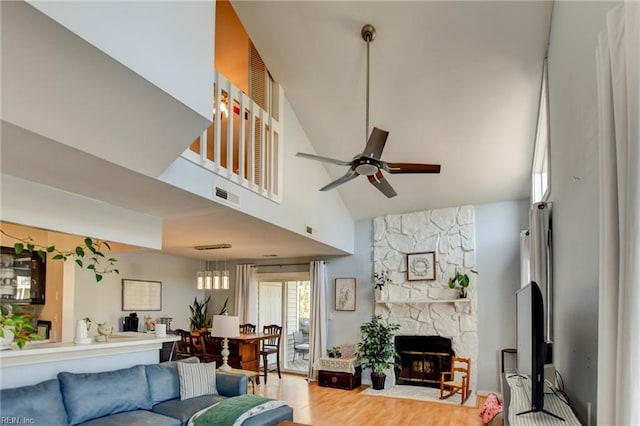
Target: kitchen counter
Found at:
x=46, y=360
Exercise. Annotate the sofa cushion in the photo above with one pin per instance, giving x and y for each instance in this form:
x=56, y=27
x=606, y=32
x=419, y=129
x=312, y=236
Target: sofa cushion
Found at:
x=91, y=395
x=137, y=418
x=163, y=379
x=183, y=410
x=41, y=404
x=197, y=380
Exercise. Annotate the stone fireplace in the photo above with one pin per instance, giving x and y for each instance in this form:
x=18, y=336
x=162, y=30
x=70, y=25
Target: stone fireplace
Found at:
x=428, y=309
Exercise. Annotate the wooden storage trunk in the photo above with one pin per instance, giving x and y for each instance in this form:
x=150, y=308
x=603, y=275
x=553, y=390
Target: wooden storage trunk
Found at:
x=338, y=380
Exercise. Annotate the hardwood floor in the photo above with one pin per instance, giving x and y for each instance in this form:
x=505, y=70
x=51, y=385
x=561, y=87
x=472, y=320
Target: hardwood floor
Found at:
x=321, y=406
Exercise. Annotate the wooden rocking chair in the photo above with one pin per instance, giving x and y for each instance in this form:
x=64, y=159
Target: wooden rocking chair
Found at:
x=456, y=380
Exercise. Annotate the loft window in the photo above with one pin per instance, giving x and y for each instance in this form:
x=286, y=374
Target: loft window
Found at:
x=540, y=178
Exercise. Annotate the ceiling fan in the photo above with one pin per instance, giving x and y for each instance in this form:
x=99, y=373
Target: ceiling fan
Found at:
x=369, y=162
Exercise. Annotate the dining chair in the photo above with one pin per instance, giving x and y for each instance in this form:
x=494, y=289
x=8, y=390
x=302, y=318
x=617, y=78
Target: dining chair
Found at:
x=271, y=346
x=185, y=347
x=247, y=328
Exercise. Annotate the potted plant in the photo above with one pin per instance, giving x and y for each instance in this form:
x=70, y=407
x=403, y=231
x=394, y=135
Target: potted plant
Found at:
x=334, y=352
x=16, y=327
x=376, y=350
x=200, y=319
x=461, y=281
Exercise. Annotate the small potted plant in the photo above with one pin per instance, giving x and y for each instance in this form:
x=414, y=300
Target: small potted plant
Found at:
x=334, y=352
x=462, y=282
x=16, y=327
x=376, y=350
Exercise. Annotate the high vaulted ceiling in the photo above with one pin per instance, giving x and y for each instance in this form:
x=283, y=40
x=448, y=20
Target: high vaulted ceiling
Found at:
x=455, y=83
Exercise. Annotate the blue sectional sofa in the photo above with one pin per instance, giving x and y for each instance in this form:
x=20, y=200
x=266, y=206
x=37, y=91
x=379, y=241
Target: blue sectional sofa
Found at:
x=140, y=395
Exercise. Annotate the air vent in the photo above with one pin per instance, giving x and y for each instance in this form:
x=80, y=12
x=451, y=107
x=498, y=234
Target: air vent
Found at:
x=213, y=247
x=227, y=196
x=310, y=231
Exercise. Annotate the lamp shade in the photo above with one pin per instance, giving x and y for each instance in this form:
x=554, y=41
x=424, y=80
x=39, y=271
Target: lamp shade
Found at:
x=225, y=326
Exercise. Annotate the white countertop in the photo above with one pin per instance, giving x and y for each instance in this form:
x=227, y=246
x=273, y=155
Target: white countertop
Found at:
x=35, y=352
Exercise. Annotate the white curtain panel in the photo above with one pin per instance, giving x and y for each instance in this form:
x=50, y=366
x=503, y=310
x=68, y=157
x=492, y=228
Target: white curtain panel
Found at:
x=540, y=259
x=617, y=58
x=318, y=320
x=525, y=259
x=246, y=294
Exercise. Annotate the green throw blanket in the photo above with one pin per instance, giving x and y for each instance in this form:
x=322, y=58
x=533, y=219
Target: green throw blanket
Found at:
x=233, y=411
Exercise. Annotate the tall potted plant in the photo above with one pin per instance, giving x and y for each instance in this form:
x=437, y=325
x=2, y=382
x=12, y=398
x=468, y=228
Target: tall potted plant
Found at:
x=376, y=350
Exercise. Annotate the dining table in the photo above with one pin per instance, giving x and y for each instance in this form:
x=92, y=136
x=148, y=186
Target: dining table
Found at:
x=249, y=348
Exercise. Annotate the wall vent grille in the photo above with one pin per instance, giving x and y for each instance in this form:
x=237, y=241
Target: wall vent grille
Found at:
x=229, y=197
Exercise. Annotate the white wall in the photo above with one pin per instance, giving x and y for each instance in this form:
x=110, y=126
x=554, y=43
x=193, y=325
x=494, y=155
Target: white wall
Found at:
x=574, y=192
x=169, y=43
x=498, y=229
x=103, y=301
x=41, y=206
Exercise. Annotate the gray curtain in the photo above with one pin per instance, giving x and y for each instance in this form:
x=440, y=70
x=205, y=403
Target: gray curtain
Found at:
x=246, y=294
x=318, y=320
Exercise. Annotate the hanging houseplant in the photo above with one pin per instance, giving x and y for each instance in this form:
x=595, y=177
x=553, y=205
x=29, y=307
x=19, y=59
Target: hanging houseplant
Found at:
x=376, y=349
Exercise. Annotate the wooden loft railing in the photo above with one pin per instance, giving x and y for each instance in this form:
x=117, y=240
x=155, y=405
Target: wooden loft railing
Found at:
x=244, y=142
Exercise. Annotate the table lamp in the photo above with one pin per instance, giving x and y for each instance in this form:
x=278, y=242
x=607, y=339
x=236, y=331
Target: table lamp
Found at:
x=225, y=326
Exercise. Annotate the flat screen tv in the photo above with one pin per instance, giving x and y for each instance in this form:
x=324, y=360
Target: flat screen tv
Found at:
x=530, y=343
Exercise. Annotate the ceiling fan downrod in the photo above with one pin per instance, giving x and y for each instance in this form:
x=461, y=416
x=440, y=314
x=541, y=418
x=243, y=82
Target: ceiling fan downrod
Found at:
x=368, y=34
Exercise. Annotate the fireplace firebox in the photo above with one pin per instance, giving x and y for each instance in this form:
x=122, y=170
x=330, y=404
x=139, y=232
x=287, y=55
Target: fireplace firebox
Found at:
x=422, y=359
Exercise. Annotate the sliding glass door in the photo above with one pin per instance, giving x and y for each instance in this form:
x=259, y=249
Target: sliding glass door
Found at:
x=286, y=302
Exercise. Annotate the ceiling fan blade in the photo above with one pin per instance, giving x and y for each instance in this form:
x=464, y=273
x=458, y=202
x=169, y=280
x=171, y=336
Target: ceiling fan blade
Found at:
x=375, y=144
x=382, y=184
x=323, y=159
x=351, y=174
x=410, y=168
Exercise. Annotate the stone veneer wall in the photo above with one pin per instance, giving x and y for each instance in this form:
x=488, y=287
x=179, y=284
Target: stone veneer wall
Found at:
x=450, y=233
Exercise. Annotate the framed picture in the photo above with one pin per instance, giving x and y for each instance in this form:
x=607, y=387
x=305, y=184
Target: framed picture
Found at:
x=345, y=294
x=140, y=295
x=421, y=266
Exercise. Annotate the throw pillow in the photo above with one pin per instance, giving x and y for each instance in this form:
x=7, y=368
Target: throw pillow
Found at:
x=163, y=379
x=197, y=379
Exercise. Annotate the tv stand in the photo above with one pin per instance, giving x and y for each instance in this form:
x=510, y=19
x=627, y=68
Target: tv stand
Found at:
x=540, y=411
x=516, y=394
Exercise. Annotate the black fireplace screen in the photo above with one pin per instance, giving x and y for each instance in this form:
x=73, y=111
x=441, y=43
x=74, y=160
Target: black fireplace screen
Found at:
x=422, y=359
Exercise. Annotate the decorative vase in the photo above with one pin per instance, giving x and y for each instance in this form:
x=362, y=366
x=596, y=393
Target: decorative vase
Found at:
x=463, y=293
x=5, y=342
x=377, y=380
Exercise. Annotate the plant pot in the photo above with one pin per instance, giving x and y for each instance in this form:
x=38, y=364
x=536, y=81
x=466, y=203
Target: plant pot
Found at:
x=463, y=293
x=377, y=380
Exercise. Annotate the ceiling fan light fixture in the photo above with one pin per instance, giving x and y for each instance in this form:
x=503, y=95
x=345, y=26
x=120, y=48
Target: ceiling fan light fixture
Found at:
x=369, y=162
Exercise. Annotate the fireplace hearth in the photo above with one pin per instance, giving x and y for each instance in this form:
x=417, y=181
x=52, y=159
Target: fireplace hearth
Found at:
x=422, y=359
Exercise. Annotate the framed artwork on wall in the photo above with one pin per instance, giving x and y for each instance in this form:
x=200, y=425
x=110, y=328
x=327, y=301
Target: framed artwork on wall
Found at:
x=421, y=266
x=138, y=295
x=345, y=294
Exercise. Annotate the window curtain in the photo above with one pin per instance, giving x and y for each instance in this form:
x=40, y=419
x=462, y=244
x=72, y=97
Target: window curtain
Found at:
x=318, y=320
x=619, y=280
x=540, y=259
x=525, y=258
x=246, y=294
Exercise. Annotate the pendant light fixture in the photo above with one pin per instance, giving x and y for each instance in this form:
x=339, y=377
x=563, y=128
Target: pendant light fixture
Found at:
x=213, y=279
